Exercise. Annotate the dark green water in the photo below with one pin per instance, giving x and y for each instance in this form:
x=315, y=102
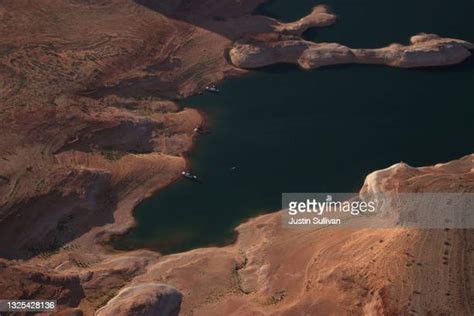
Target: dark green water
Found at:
x=320, y=131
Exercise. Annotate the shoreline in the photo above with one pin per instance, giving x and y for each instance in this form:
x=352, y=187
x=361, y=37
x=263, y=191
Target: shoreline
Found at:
x=422, y=38
x=110, y=239
x=263, y=254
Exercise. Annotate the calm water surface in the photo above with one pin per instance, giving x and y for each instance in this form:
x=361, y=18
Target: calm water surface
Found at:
x=317, y=131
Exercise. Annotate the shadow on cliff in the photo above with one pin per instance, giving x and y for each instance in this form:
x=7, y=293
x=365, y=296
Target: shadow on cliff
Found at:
x=56, y=220
x=230, y=19
x=211, y=15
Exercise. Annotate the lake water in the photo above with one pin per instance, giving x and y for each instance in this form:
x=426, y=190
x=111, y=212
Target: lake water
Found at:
x=288, y=130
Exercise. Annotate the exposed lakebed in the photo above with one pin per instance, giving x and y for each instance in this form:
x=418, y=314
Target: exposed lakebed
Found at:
x=287, y=130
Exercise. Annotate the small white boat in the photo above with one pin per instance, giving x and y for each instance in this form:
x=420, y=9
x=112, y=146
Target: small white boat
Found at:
x=189, y=175
x=198, y=129
x=212, y=88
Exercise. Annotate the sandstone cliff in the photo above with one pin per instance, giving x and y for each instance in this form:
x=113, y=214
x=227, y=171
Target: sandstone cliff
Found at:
x=425, y=50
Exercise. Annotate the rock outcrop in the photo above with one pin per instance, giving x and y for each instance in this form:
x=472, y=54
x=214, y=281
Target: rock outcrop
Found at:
x=425, y=50
x=320, y=16
x=147, y=299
